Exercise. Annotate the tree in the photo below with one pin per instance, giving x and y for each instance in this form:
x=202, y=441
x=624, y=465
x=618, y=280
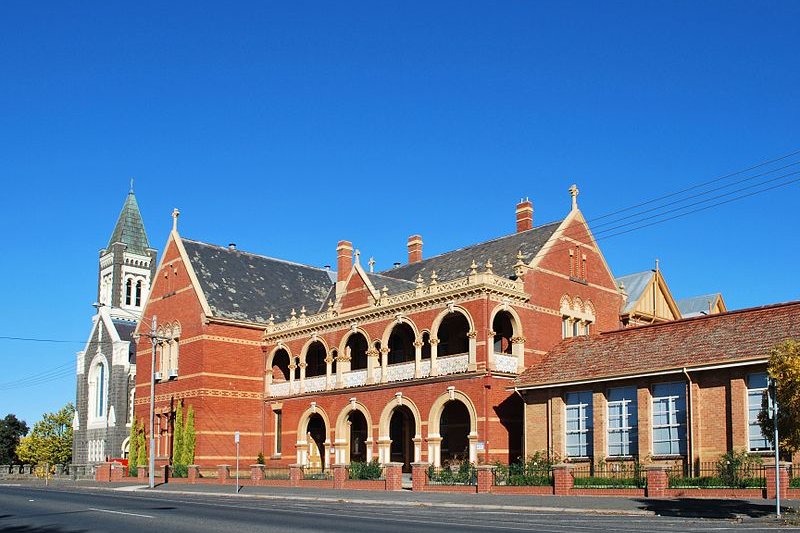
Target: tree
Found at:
x=784, y=366
x=189, y=438
x=51, y=439
x=11, y=429
x=141, y=448
x=133, y=448
x=177, y=438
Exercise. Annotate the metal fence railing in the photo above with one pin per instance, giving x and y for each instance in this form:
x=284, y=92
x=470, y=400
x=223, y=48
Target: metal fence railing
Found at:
x=719, y=475
x=276, y=472
x=463, y=474
x=317, y=472
x=518, y=474
x=617, y=474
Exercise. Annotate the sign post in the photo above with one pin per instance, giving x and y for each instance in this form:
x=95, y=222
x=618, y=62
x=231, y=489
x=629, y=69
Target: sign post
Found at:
x=773, y=400
x=236, y=439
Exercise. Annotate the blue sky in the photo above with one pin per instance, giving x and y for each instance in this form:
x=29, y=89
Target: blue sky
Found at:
x=286, y=127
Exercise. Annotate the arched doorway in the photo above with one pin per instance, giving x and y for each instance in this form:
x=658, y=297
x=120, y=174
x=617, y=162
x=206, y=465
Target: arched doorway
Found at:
x=358, y=434
x=401, y=432
x=454, y=427
x=316, y=433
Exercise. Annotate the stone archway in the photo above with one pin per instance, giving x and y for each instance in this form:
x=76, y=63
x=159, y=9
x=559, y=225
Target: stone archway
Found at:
x=449, y=422
x=401, y=434
x=354, y=440
x=313, y=444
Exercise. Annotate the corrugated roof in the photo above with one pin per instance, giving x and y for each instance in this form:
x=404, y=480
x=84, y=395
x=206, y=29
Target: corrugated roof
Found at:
x=502, y=252
x=130, y=227
x=714, y=339
x=696, y=305
x=635, y=285
x=249, y=287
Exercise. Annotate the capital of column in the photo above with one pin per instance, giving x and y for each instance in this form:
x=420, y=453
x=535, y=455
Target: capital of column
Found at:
x=433, y=341
x=472, y=334
x=518, y=340
x=302, y=365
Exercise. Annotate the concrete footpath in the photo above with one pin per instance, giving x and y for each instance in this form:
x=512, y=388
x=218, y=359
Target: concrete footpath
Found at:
x=676, y=507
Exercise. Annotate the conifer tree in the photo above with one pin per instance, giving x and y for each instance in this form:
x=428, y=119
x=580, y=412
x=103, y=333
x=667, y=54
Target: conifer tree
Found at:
x=133, y=448
x=177, y=438
x=141, y=448
x=189, y=438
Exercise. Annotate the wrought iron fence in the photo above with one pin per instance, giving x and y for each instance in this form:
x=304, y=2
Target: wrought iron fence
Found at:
x=316, y=472
x=720, y=474
x=366, y=471
x=276, y=472
x=519, y=474
x=616, y=474
x=463, y=474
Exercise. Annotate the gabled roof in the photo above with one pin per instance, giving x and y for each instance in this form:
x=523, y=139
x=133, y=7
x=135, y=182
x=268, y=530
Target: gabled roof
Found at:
x=697, y=305
x=130, y=227
x=635, y=285
x=736, y=336
x=502, y=252
x=244, y=286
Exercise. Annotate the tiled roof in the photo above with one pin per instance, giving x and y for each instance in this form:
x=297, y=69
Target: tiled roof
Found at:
x=130, y=228
x=249, y=287
x=696, y=305
x=502, y=251
x=726, y=337
x=635, y=285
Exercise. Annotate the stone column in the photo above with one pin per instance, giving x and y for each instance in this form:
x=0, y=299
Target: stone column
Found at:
x=418, y=476
x=384, y=365
x=257, y=473
x=485, y=478
x=339, y=476
x=393, y=472
x=657, y=480
x=434, y=348
x=372, y=356
x=302, y=377
x=783, y=472
x=328, y=372
x=490, y=362
x=472, y=360
x=434, y=450
x=223, y=473
x=292, y=368
x=518, y=351
x=384, y=450
x=295, y=474
x=418, y=358
x=563, y=481
x=342, y=367
x=193, y=473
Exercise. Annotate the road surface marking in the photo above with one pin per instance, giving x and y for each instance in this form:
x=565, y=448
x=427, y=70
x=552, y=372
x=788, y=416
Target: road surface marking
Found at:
x=119, y=512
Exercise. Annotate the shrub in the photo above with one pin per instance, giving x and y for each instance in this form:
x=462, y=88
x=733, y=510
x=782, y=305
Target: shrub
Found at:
x=260, y=459
x=535, y=471
x=370, y=470
x=179, y=470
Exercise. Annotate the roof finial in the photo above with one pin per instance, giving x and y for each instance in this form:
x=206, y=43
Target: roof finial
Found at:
x=358, y=256
x=371, y=264
x=573, y=191
x=175, y=215
x=656, y=264
x=131, y=191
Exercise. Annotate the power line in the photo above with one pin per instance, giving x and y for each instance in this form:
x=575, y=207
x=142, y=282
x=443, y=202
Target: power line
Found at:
x=32, y=339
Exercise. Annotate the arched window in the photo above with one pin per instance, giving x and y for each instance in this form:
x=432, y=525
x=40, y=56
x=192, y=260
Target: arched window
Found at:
x=280, y=366
x=315, y=360
x=357, y=348
x=453, y=335
x=128, y=291
x=139, y=293
x=426, y=345
x=401, y=344
x=97, y=397
x=503, y=332
x=100, y=391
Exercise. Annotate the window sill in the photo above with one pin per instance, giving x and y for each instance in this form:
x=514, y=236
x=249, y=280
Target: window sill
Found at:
x=275, y=456
x=664, y=457
x=578, y=280
x=761, y=453
x=621, y=458
x=578, y=460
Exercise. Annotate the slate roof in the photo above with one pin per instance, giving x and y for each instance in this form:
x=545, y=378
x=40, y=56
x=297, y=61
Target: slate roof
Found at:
x=696, y=305
x=502, y=252
x=130, y=227
x=393, y=285
x=244, y=286
x=125, y=331
x=635, y=285
x=741, y=335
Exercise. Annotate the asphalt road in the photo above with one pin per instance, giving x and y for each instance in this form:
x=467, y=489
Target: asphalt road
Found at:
x=38, y=510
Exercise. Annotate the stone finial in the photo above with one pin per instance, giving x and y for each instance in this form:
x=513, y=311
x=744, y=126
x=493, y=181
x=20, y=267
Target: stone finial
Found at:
x=175, y=215
x=434, y=277
x=489, y=266
x=358, y=256
x=293, y=314
x=384, y=291
x=473, y=268
x=573, y=192
x=303, y=312
x=271, y=320
x=420, y=281
x=371, y=264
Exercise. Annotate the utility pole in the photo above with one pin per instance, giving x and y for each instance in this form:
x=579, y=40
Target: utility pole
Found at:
x=236, y=438
x=154, y=341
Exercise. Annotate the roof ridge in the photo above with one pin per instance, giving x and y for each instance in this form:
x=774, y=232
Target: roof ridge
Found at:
x=673, y=323
x=478, y=244
x=253, y=254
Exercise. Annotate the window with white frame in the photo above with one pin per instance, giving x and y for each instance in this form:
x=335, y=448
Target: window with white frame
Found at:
x=756, y=390
x=623, y=436
x=278, y=431
x=97, y=391
x=669, y=418
x=579, y=424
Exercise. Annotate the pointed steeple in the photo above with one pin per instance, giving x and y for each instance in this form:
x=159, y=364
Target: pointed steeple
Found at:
x=130, y=228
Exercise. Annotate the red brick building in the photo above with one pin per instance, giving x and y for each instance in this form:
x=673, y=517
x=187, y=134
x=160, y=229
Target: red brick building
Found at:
x=409, y=364
x=685, y=391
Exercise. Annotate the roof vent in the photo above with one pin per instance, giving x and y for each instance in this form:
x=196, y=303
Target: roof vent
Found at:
x=397, y=264
x=231, y=246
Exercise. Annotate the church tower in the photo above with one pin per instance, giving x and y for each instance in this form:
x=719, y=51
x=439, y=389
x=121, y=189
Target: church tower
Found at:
x=127, y=264
x=106, y=367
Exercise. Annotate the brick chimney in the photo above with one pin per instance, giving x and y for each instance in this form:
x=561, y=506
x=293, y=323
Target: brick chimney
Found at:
x=414, y=249
x=344, y=260
x=524, y=215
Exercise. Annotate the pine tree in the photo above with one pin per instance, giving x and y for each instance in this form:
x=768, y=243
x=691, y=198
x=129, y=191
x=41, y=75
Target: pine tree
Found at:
x=141, y=448
x=177, y=438
x=133, y=448
x=189, y=438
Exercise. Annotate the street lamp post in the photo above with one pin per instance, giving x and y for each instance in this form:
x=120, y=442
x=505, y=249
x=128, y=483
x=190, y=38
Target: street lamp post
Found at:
x=154, y=341
x=773, y=392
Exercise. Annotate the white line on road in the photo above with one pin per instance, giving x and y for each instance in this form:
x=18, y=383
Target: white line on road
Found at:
x=119, y=512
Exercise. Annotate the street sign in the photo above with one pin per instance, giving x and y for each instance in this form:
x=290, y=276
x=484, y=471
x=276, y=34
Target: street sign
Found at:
x=236, y=437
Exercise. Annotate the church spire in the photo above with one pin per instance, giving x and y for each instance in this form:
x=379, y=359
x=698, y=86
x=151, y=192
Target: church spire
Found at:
x=129, y=229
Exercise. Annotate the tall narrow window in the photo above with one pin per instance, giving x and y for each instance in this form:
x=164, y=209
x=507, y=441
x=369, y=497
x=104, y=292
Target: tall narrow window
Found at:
x=669, y=419
x=622, y=422
x=579, y=424
x=566, y=328
x=756, y=390
x=128, y=291
x=278, y=431
x=139, y=293
x=100, y=390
